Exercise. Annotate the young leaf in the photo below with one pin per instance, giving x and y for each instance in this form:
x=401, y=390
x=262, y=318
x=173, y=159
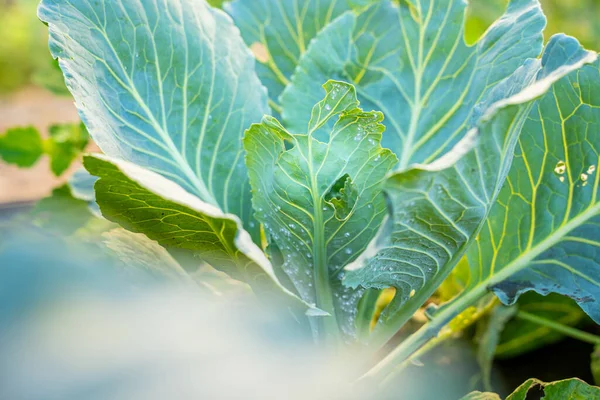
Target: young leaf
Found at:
x=170, y=87
x=21, y=146
x=541, y=233
x=438, y=209
x=321, y=202
x=145, y=202
x=410, y=61
x=279, y=32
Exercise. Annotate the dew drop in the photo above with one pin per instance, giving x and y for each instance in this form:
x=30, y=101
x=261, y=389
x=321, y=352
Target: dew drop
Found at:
x=327, y=107
x=562, y=178
x=591, y=169
x=347, y=234
x=584, y=177
x=348, y=251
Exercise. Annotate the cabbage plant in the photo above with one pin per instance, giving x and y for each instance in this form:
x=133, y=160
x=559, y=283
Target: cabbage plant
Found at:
x=325, y=151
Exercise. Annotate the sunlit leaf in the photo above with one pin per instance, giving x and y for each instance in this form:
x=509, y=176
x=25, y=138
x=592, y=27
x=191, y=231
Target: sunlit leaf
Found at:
x=170, y=87
x=321, y=201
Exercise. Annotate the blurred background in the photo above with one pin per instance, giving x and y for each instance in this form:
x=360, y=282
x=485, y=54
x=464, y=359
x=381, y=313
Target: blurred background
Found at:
x=41, y=351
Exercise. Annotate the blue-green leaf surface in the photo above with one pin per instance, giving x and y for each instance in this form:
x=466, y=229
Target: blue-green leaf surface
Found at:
x=279, y=32
x=321, y=202
x=542, y=233
x=166, y=84
x=438, y=209
x=410, y=61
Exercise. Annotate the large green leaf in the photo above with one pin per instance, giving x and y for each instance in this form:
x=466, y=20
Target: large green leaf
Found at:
x=411, y=62
x=321, y=202
x=279, y=32
x=438, y=209
x=144, y=202
x=542, y=233
x=168, y=85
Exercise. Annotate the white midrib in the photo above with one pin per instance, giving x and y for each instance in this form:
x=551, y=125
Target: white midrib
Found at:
x=321, y=270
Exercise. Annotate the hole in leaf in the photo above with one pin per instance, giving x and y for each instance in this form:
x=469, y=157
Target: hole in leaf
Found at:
x=260, y=52
x=342, y=196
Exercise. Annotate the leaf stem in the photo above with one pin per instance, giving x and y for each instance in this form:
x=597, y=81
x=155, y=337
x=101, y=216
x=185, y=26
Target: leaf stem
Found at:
x=558, y=327
x=423, y=336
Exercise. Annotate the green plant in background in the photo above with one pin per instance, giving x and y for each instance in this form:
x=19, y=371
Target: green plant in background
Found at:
x=23, y=147
x=24, y=56
x=575, y=17
x=480, y=156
